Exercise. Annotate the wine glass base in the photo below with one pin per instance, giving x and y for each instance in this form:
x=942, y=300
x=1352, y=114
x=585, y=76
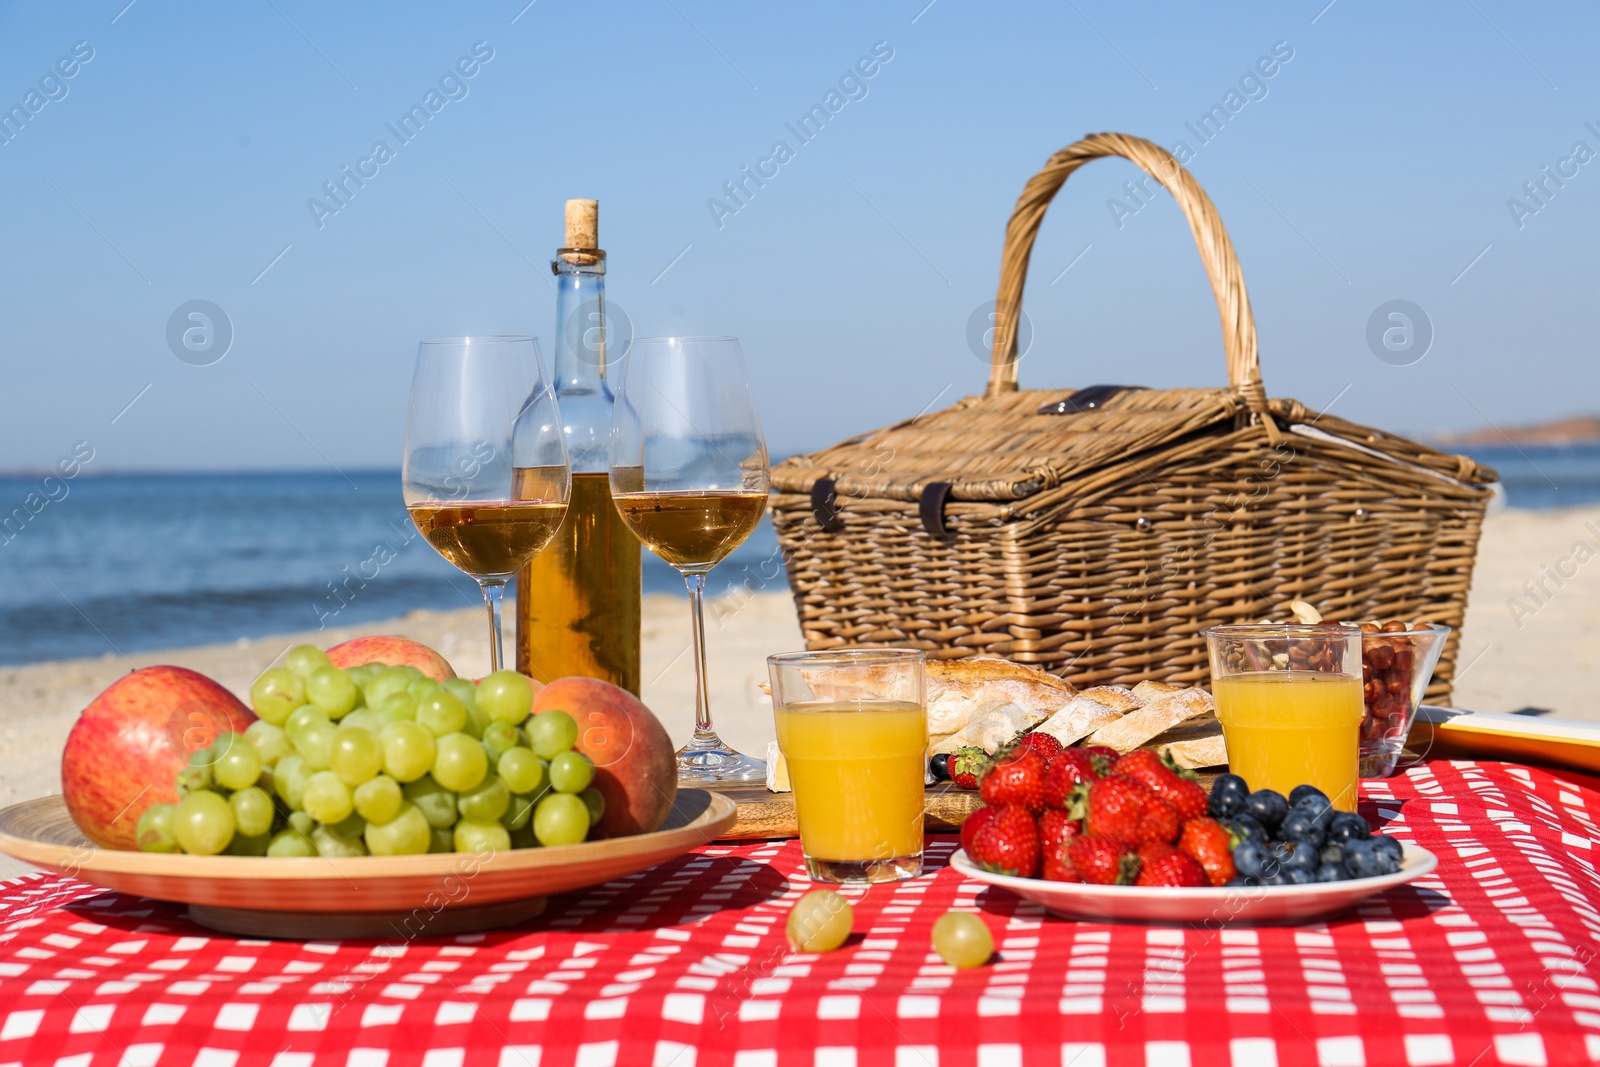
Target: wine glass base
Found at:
x=701, y=766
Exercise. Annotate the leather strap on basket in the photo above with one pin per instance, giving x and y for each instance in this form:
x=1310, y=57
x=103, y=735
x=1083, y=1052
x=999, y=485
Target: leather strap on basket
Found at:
x=1216, y=255
x=930, y=506
x=825, y=504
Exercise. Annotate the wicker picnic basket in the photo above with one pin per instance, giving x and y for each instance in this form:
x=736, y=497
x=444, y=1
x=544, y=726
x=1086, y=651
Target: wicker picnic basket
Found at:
x=1096, y=533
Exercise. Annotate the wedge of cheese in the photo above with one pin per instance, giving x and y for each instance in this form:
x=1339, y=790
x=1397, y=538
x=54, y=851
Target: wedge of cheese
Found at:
x=777, y=769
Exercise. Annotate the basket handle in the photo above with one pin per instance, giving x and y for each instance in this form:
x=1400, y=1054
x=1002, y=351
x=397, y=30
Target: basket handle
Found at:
x=1216, y=254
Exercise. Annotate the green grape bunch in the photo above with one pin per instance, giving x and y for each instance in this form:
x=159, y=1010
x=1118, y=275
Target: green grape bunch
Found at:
x=380, y=761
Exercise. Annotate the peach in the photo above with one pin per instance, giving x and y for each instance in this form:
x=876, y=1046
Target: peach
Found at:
x=128, y=745
x=392, y=652
x=636, y=768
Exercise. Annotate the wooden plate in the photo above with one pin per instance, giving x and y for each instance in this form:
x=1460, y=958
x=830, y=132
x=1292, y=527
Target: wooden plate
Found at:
x=765, y=814
x=368, y=896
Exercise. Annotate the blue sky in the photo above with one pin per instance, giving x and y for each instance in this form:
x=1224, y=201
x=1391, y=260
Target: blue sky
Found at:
x=177, y=164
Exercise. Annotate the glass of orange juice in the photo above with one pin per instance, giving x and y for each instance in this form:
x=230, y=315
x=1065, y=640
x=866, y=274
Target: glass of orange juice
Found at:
x=853, y=729
x=1290, y=702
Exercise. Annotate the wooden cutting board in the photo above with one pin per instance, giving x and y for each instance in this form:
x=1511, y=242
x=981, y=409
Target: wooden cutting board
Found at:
x=764, y=814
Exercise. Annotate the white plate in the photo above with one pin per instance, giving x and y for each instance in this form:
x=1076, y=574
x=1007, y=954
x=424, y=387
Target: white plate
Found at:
x=1264, y=904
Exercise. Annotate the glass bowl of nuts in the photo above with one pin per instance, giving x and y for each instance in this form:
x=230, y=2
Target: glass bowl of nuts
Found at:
x=1397, y=662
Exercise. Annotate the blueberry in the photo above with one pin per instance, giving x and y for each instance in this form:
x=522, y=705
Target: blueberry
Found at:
x=1298, y=876
x=1389, y=852
x=1348, y=826
x=1301, y=792
x=1275, y=878
x=1317, y=809
x=1331, y=872
x=1267, y=807
x=1227, y=796
x=1303, y=857
x=1250, y=859
x=1302, y=827
x=1333, y=852
x=940, y=765
x=1241, y=881
x=1361, y=859
x=1246, y=828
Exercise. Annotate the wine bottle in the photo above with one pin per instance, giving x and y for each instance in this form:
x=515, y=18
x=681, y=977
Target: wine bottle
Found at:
x=578, y=600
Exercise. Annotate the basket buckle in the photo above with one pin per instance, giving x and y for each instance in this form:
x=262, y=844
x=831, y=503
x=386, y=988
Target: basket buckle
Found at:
x=1086, y=399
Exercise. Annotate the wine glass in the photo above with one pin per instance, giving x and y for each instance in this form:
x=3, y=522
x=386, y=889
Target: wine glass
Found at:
x=485, y=475
x=689, y=476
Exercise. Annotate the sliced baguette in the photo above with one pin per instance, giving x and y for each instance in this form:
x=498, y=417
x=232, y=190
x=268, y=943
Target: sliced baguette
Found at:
x=1198, y=752
x=987, y=702
x=1119, y=698
x=1082, y=716
x=1147, y=691
x=1152, y=720
x=995, y=727
x=962, y=691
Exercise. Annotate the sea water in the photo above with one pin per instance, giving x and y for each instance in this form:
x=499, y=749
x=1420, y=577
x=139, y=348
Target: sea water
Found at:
x=133, y=562
x=127, y=563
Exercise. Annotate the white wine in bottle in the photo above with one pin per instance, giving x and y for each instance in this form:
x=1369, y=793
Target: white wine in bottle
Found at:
x=578, y=600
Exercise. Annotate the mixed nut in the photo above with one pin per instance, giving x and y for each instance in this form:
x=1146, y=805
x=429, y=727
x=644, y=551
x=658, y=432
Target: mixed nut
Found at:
x=1386, y=669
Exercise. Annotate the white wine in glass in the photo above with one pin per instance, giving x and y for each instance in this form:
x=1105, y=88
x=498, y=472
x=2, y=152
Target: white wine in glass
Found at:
x=485, y=475
x=689, y=475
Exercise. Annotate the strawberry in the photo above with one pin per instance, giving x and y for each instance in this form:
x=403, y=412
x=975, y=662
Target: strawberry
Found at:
x=1056, y=828
x=1186, y=796
x=1015, y=777
x=1104, y=752
x=1161, y=824
x=1210, y=844
x=967, y=766
x=972, y=824
x=1056, y=831
x=1071, y=767
x=1007, y=843
x=1163, y=865
x=1120, y=807
x=1102, y=861
x=1044, y=744
x=1056, y=866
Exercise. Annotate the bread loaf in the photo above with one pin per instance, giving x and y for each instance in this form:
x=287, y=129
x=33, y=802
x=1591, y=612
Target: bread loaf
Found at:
x=987, y=702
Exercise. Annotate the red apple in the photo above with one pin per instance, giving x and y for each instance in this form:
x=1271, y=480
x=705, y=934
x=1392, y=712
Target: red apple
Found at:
x=393, y=652
x=636, y=768
x=126, y=749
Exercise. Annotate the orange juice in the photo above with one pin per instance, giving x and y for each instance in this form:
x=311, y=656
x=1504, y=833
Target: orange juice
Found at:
x=856, y=770
x=1283, y=728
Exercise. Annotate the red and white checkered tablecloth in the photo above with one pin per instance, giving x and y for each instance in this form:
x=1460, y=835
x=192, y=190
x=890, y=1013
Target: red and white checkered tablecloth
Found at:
x=685, y=965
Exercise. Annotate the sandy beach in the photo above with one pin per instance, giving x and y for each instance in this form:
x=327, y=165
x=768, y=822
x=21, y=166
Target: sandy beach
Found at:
x=1531, y=644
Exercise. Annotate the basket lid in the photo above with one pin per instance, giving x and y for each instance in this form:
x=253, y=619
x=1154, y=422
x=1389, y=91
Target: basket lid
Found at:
x=1000, y=448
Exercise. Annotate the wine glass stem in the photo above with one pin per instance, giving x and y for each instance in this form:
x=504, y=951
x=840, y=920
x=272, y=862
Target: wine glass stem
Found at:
x=492, y=593
x=703, y=730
